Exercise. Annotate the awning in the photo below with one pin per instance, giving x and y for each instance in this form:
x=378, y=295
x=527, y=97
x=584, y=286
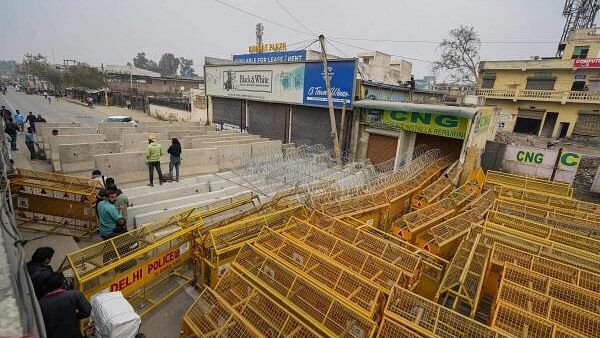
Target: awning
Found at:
x=465, y=112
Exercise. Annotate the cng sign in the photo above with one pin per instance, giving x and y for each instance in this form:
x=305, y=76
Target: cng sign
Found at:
x=569, y=160
x=427, y=123
x=530, y=157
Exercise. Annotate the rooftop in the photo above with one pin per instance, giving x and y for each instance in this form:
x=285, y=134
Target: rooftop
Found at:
x=130, y=70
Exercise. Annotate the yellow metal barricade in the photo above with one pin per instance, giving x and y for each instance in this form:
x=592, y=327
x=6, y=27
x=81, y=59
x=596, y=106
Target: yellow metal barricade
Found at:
x=461, y=287
x=371, y=208
x=359, y=293
x=559, y=209
x=307, y=299
x=439, y=188
x=217, y=248
x=528, y=183
x=235, y=300
x=54, y=203
x=148, y=264
x=392, y=329
x=431, y=319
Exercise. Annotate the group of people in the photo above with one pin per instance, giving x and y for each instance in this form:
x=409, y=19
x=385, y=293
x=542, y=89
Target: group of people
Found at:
x=61, y=308
x=154, y=151
x=111, y=207
x=13, y=126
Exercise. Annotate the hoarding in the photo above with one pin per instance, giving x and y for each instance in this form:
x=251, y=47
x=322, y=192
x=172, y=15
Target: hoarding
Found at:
x=541, y=163
x=586, y=63
x=294, y=83
x=272, y=57
x=427, y=123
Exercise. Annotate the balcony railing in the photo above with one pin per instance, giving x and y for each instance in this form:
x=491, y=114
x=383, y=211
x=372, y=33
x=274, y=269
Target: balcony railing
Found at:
x=542, y=95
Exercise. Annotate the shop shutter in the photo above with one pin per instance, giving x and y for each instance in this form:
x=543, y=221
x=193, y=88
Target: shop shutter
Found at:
x=227, y=111
x=531, y=114
x=267, y=119
x=381, y=148
x=310, y=125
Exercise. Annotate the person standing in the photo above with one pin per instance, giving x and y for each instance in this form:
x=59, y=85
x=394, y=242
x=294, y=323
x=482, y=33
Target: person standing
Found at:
x=109, y=216
x=40, y=119
x=11, y=129
x=175, y=158
x=40, y=270
x=62, y=309
x=122, y=202
x=153, y=153
x=4, y=112
x=128, y=103
x=20, y=120
x=30, y=142
x=31, y=120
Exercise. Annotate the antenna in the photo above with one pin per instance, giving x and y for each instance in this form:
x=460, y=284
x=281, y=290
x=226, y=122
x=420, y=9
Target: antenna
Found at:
x=259, y=33
x=578, y=14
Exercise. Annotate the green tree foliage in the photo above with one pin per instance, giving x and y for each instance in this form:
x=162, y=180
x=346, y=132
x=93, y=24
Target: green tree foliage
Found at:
x=38, y=66
x=141, y=61
x=186, y=67
x=168, y=64
x=84, y=76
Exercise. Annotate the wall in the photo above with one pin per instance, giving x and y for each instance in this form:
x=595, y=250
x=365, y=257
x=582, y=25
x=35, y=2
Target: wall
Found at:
x=152, y=85
x=169, y=114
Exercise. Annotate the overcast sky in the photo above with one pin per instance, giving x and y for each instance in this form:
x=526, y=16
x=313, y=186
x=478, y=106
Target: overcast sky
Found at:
x=113, y=31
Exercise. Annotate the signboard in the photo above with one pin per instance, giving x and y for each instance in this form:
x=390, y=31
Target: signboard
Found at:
x=295, y=83
x=540, y=163
x=586, y=63
x=427, y=123
x=268, y=47
x=145, y=272
x=272, y=57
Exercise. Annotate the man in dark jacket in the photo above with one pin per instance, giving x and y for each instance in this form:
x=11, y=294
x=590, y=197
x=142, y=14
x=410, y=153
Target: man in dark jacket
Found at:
x=40, y=270
x=62, y=309
x=11, y=128
x=31, y=119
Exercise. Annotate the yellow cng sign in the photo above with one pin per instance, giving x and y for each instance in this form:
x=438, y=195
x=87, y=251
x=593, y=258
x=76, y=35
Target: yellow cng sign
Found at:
x=540, y=162
x=427, y=123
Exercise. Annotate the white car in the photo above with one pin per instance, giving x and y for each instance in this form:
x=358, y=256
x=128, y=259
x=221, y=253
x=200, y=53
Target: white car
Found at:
x=121, y=119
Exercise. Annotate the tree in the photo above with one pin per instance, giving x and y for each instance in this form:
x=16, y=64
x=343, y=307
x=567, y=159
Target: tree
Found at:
x=168, y=64
x=186, y=67
x=140, y=61
x=460, y=55
x=38, y=66
x=84, y=76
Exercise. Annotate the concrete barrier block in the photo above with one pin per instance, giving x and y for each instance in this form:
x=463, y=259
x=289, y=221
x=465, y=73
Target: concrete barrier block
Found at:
x=64, y=131
x=260, y=149
x=55, y=141
x=114, y=131
x=43, y=130
x=80, y=157
x=233, y=156
x=132, y=141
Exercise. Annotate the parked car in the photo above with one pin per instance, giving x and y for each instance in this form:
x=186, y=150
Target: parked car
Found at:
x=121, y=119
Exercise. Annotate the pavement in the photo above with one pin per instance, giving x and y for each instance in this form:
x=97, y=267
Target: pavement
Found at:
x=163, y=322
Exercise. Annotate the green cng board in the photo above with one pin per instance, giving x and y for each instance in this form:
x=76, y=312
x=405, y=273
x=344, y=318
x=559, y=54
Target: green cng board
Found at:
x=427, y=123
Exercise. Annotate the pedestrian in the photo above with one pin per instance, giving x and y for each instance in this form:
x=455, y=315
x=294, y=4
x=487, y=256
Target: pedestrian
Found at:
x=49, y=99
x=31, y=120
x=20, y=120
x=97, y=175
x=30, y=142
x=109, y=216
x=40, y=119
x=62, y=309
x=153, y=153
x=6, y=114
x=175, y=158
x=40, y=270
x=90, y=101
x=11, y=129
x=128, y=103
x=122, y=201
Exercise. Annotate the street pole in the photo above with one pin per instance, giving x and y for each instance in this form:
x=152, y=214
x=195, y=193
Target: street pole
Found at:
x=343, y=123
x=334, y=135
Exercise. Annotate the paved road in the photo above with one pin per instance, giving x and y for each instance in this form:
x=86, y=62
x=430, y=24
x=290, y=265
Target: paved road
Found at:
x=56, y=111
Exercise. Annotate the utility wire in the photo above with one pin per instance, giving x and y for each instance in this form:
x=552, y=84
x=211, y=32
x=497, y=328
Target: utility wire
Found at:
x=367, y=49
x=438, y=42
x=261, y=18
x=294, y=17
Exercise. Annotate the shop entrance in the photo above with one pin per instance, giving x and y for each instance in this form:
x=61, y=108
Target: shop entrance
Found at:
x=448, y=145
x=381, y=148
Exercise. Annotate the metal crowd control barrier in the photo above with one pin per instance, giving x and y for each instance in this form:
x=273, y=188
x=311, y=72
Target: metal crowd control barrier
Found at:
x=430, y=319
x=571, y=236
x=148, y=264
x=503, y=254
x=381, y=272
x=421, y=220
x=439, y=188
x=583, y=226
x=214, y=251
x=54, y=203
x=315, y=305
x=444, y=238
x=391, y=329
x=547, y=310
x=237, y=308
x=461, y=287
x=371, y=208
x=357, y=292
x=528, y=183
x=591, y=216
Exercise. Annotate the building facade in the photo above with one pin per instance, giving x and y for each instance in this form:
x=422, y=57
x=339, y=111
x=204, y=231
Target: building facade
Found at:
x=131, y=79
x=548, y=97
x=380, y=67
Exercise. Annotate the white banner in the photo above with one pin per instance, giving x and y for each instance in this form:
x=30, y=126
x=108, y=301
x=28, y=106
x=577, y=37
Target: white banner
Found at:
x=537, y=162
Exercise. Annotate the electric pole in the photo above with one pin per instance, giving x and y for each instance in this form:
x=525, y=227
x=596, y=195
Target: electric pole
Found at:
x=334, y=135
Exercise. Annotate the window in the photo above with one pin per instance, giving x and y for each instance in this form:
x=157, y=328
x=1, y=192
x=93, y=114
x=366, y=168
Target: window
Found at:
x=580, y=52
x=541, y=81
x=488, y=80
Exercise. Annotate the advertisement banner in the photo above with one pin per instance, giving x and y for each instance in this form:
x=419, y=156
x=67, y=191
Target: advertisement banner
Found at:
x=427, y=123
x=341, y=75
x=295, y=83
x=272, y=57
x=586, y=63
x=536, y=162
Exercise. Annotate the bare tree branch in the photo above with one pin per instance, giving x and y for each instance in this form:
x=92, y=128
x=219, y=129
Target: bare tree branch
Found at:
x=460, y=55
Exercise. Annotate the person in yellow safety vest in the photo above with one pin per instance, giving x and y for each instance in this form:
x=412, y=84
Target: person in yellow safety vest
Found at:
x=153, y=153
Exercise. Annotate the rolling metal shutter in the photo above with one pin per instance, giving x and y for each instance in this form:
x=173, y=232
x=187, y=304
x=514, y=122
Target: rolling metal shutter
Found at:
x=310, y=125
x=267, y=119
x=381, y=148
x=230, y=111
